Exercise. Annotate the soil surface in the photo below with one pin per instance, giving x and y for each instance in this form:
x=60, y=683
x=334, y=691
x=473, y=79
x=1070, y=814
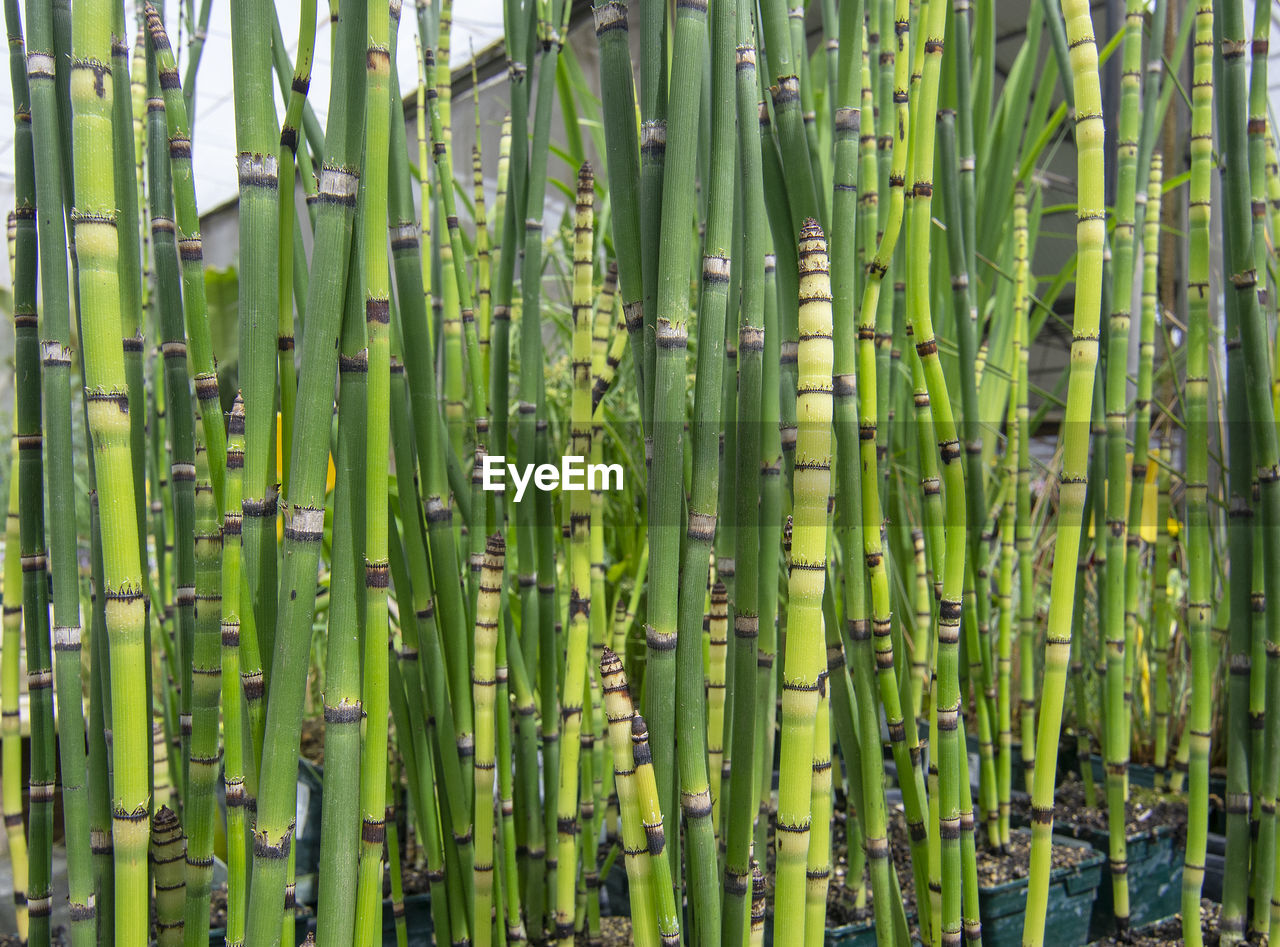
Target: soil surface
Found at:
x=614, y=932
x=995, y=867
x=1168, y=933
x=1146, y=809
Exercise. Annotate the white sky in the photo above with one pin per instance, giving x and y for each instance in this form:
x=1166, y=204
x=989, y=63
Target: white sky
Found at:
x=476, y=24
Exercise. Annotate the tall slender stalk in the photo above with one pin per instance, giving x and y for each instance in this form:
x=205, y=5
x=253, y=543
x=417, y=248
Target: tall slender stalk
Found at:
x=233, y=725
x=484, y=684
x=577, y=645
x=1199, y=567
x=168, y=851
x=748, y=562
x=618, y=708
x=304, y=528
x=94, y=225
x=11, y=732
x=1241, y=271
x=1090, y=235
x=377, y=309
x=700, y=532
x=258, y=172
x=666, y=492
x=191, y=253
x=1116, y=626
x=288, y=163
x=805, y=656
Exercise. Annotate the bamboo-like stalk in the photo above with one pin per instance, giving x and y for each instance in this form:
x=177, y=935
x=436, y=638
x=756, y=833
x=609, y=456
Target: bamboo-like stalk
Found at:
x=708, y=423
x=288, y=163
x=37, y=107
x=205, y=757
x=577, y=645
x=818, y=867
x=1117, y=630
x=1199, y=567
x=753, y=368
x=1024, y=541
x=622, y=150
x=718, y=635
x=1239, y=265
x=11, y=731
x=1012, y=508
x=257, y=169
x=646, y=789
x=129, y=180
x=484, y=687
x=805, y=649
x=94, y=224
x=28, y=466
x=304, y=529
x=1090, y=234
x=168, y=851
x=180, y=415
x=515, y=930
x=233, y=762
x=340, y=831
x=620, y=712
x=377, y=309
x=671, y=342
x=1240, y=539
x=191, y=253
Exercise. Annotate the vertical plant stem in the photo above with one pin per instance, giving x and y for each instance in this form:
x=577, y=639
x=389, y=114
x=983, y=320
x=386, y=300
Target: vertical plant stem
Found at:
x=94, y=223
x=1090, y=234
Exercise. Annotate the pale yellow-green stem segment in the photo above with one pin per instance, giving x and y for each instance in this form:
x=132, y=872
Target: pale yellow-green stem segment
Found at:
x=10, y=723
x=578, y=643
x=635, y=848
x=718, y=641
x=804, y=660
x=1090, y=236
x=94, y=228
x=484, y=686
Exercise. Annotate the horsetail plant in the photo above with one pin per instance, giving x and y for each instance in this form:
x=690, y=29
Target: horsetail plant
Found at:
x=94, y=232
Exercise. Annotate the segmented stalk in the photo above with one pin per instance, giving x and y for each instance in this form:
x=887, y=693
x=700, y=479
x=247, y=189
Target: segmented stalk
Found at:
x=621, y=714
x=94, y=226
x=168, y=850
x=1090, y=235
x=11, y=732
x=805, y=654
x=1116, y=626
x=304, y=527
x=718, y=630
x=288, y=164
x=233, y=762
x=206, y=681
x=484, y=685
x=708, y=423
x=1199, y=567
x=191, y=253
x=577, y=645
x=671, y=341
x=377, y=311
x=1240, y=267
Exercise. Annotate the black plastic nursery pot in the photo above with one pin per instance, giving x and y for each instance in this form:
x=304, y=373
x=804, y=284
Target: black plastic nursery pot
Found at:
x=1071, y=897
x=1154, y=857
x=1155, y=879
